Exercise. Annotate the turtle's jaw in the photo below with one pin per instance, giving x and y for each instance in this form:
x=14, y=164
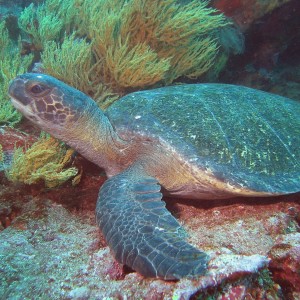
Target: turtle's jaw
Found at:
x=25, y=110
x=17, y=92
x=19, y=99
x=22, y=102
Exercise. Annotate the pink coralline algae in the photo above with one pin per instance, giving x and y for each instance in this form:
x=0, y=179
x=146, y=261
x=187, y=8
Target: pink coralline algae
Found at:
x=285, y=261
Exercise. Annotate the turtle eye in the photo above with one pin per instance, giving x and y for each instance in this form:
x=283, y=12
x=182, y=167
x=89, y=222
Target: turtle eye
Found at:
x=38, y=89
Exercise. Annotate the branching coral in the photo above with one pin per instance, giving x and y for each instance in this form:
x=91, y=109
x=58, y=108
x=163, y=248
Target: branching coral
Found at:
x=129, y=44
x=73, y=63
x=135, y=66
x=50, y=21
x=11, y=63
x=44, y=161
x=174, y=39
x=41, y=24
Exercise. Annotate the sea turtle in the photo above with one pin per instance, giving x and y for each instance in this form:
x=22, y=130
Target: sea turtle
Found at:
x=203, y=141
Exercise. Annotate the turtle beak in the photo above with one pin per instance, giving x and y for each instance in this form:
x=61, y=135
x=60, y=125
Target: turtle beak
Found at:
x=19, y=98
x=17, y=92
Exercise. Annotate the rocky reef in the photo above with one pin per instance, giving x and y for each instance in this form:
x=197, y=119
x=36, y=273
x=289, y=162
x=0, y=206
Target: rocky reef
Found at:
x=50, y=246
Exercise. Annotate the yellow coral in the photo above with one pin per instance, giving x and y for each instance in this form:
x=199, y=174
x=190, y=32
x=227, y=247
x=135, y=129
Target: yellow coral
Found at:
x=267, y=6
x=44, y=160
x=129, y=44
x=138, y=66
x=182, y=37
x=72, y=62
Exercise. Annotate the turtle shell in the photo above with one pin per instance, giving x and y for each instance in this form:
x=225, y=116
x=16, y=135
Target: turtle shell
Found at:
x=245, y=137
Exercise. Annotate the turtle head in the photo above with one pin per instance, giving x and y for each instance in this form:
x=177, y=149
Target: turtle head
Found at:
x=68, y=115
x=49, y=103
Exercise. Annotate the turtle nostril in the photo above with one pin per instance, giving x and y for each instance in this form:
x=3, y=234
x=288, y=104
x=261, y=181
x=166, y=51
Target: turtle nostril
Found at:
x=15, y=86
x=16, y=91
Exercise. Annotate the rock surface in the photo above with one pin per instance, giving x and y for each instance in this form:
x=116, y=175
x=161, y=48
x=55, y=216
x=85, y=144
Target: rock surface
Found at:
x=245, y=12
x=285, y=261
x=271, y=60
x=50, y=247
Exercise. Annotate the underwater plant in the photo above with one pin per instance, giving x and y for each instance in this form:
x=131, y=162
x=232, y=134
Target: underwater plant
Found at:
x=72, y=62
x=45, y=160
x=124, y=44
x=41, y=23
x=11, y=64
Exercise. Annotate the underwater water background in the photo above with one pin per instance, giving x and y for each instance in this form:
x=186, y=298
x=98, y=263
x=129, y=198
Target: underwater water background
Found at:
x=50, y=246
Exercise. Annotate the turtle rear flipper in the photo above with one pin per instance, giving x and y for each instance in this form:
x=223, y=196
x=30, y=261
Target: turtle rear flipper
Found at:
x=141, y=232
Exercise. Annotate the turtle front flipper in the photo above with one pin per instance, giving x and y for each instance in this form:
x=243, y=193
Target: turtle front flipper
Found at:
x=141, y=232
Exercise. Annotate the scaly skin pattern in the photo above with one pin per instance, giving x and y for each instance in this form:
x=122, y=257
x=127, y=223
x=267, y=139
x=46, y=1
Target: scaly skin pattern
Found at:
x=177, y=138
x=141, y=232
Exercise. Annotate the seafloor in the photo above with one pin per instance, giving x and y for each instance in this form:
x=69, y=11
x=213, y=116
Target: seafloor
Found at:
x=50, y=247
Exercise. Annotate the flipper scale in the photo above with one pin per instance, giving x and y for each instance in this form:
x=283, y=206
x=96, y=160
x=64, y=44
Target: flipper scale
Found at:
x=141, y=232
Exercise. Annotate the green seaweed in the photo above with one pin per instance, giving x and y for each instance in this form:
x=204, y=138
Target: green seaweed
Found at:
x=265, y=279
x=41, y=23
x=11, y=64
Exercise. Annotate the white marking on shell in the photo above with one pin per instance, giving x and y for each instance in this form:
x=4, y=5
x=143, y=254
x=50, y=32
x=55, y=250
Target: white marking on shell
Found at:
x=159, y=228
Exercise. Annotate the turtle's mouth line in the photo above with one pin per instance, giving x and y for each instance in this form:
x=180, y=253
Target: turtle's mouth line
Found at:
x=21, y=107
x=15, y=102
x=25, y=110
